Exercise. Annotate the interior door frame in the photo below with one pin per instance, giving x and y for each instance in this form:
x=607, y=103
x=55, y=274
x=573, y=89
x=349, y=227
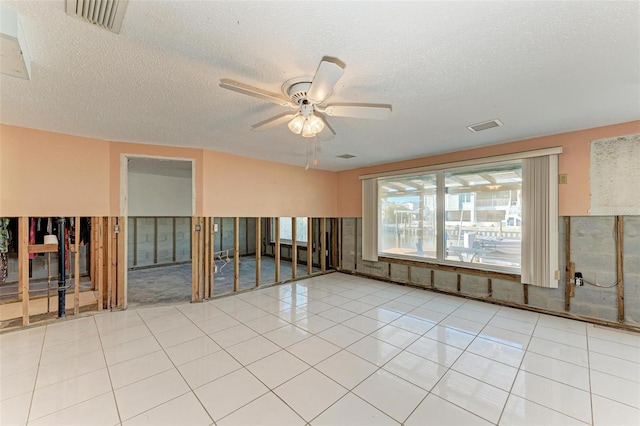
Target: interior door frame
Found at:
x=124, y=201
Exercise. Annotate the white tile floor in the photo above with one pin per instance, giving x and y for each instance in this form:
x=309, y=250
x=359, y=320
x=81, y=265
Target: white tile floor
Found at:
x=331, y=350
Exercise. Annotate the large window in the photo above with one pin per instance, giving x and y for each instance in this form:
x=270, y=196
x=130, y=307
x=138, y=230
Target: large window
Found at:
x=286, y=231
x=465, y=215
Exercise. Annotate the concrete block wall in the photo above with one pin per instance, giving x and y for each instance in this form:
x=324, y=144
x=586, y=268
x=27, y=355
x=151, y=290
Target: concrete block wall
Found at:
x=145, y=235
x=224, y=238
x=593, y=250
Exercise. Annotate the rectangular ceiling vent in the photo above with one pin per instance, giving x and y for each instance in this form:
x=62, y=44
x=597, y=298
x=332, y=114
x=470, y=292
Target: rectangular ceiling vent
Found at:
x=105, y=13
x=345, y=156
x=485, y=125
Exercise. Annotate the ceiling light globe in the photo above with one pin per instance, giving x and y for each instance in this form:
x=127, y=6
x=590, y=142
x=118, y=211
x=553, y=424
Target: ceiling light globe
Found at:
x=315, y=123
x=297, y=124
x=307, y=132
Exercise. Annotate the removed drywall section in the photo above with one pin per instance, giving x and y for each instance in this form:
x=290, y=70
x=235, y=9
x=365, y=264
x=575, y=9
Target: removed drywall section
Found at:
x=593, y=250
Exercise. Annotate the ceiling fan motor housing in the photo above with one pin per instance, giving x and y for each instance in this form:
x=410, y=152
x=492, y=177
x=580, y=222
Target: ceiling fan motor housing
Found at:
x=297, y=89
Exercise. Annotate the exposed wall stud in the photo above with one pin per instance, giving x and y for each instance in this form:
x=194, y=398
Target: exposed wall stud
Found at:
x=258, y=249
x=458, y=283
x=76, y=269
x=309, y=245
x=489, y=287
x=294, y=248
x=568, y=286
x=23, y=266
x=277, y=248
x=122, y=264
x=620, y=265
x=323, y=244
x=525, y=289
x=236, y=253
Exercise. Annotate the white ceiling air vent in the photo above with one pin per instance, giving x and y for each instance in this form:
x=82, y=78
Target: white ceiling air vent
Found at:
x=485, y=125
x=106, y=13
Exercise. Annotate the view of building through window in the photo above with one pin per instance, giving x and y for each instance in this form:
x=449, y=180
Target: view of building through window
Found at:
x=481, y=215
x=286, y=233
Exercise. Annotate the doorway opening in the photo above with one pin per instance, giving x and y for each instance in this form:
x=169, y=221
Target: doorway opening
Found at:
x=158, y=205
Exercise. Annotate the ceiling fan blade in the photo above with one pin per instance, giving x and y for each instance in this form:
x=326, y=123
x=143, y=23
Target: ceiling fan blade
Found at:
x=371, y=111
x=327, y=75
x=273, y=122
x=245, y=89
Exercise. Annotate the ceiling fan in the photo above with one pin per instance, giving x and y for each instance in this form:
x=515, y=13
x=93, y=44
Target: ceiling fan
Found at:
x=306, y=95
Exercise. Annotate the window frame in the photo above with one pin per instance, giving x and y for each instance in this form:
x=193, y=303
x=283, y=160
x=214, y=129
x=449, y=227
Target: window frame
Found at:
x=440, y=170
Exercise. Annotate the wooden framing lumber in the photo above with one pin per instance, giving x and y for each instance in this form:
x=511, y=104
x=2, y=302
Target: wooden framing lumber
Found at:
x=76, y=268
x=258, y=250
x=277, y=249
x=43, y=248
x=236, y=253
x=525, y=293
x=23, y=266
x=334, y=243
x=122, y=264
x=620, y=266
x=294, y=248
x=194, y=259
x=110, y=261
x=100, y=261
x=568, y=286
x=323, y=244
x=207, y=258
x=309, y=246
x=489, y=288
x=458, y=282
x=456, y=269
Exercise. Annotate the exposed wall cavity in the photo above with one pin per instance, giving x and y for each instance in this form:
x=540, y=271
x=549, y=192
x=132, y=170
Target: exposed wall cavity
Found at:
x=593, y=248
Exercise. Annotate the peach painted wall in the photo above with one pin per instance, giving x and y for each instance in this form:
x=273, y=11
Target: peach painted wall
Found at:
x=118, y=148
x=52, y=174
x=574, y=197
x=245, y=187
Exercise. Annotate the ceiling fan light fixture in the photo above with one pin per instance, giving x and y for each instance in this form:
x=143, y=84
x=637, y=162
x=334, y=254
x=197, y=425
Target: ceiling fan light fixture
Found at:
x=307, y=132
x=296, y=125
x=315, y=123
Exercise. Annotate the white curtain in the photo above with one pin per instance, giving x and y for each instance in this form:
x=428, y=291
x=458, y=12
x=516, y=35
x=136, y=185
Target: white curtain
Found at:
x=370, y=219
x=540, y=221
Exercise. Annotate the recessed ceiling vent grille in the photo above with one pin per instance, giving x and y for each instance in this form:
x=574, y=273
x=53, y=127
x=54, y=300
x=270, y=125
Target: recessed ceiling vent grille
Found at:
x=485, y=125
x=106, y=13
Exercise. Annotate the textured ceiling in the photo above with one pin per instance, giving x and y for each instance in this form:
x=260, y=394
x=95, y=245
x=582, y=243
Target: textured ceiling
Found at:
x=540, y=67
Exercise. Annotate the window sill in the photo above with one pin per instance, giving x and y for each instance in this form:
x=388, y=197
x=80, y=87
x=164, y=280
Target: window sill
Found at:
x=452, y=267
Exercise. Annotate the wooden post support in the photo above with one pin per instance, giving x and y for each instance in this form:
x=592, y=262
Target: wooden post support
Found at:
x=620, y=266
x=323, y=244
x=258, y=249
x=76, y=269
x=569, y=268
x=236, y=253
x=121, y=264
x=294, y=248
x=135, y=241
x=277, y=249
x=194, y=259
x=23, y=266
x=207, y=258
x=309, y=246
x=100, y=262
x=334, y=243
x=355, y=244
x=110, y=262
